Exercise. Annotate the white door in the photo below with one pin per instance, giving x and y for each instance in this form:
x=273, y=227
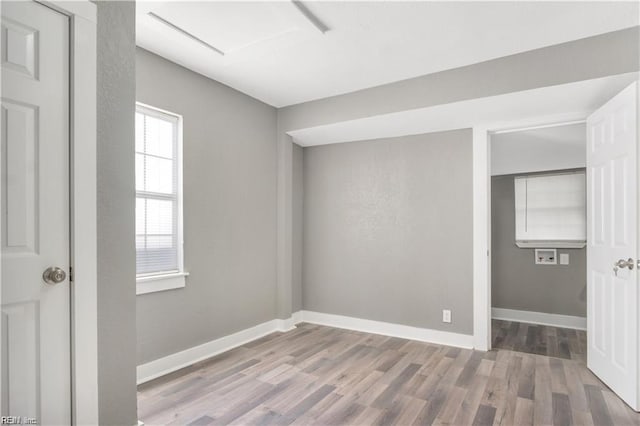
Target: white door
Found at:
x=612, y=230
x=35, y=213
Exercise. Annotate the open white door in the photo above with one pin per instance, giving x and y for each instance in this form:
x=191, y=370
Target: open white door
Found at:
x=36, y=347
x=612, y=250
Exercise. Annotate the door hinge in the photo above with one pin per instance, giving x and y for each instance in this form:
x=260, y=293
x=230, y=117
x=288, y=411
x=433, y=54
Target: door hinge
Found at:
x=70, y=273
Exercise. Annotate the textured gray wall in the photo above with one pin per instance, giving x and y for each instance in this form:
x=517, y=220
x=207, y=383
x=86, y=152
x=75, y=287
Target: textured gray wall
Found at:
x=298, y=226
x=229, y=211
x=517, y=282
x=116, y=247
x=388, y=230
x=617, y=52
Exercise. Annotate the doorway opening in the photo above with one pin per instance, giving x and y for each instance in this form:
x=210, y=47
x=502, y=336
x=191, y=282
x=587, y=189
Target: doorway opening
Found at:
x=538, y=240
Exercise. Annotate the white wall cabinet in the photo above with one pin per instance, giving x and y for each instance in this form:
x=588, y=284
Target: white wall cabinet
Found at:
x=550, y=210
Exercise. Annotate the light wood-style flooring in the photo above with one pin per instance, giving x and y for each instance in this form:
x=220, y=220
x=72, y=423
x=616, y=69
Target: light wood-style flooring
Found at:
x=327, y=376
x=540, y=339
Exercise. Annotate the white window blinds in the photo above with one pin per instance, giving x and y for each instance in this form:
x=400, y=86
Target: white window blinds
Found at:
x=158, y=245
x=551, y=210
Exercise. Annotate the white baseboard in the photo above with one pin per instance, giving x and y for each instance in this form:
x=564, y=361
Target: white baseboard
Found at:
x=173, y=362
x=297, y=317
x=556, y=320
x=389, y=329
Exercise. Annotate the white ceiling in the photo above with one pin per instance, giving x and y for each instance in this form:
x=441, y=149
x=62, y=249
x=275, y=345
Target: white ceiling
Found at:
x=274, y=53
x=566, y=102
x=536, y=150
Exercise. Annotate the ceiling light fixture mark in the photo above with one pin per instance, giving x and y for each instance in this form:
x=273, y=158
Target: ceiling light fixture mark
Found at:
x=185, y=33
x=310, y=16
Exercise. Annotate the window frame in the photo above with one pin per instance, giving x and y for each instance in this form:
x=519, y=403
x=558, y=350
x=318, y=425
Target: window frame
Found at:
x=161, y=281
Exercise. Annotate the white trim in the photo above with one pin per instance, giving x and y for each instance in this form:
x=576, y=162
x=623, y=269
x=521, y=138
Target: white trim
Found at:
x=158, y=112
x=389, y=329
x=160, y=277
x=638, y=229
x=297, y=317
x=540, y=126
x=178, y=160
x=160, y=282
x=482, y=216
x=83, y=211
x=176, y=361
x=481, y=240
x=84, y=9
x=291, y=322
x=552, y=244
x=542, y=318
x=284, y=235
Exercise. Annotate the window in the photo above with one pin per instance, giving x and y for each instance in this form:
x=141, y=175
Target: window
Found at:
x=158, y=154
x=551, y=210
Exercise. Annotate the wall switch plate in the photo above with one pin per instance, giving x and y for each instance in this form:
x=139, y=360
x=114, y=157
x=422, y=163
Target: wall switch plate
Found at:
x=446, y=315
x=564, y=258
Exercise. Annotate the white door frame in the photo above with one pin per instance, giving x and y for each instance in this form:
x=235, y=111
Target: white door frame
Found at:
x=82, y=179
x=482, y=216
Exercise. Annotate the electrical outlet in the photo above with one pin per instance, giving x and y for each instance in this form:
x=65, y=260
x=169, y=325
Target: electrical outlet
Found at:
x=564, y=258
x=446, y=315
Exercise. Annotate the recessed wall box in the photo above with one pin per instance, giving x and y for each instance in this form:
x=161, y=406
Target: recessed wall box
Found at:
x=546, y=257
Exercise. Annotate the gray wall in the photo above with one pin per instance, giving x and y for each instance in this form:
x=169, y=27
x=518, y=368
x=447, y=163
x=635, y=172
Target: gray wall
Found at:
x=388, y=230
x=229, y=211
x=230, y=169
x=298, y=226
x=517, y=282
x=617, y=52
x=116, y=248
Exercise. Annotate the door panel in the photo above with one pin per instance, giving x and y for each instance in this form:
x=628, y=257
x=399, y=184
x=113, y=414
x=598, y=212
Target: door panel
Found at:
x=20, y=227
x=21, y=349
x=36, y=362
x=612, y=232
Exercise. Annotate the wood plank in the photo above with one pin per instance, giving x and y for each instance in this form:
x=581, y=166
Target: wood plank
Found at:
x=484, y=416
x=526, y=382
x=561, y=410
x=385, y=399
x=322, y=375
x=469, y=407
x=524, y=412
x=621, y=413
x=598, y=406
x=543, y=407
x=309, y=402
x=539, y=339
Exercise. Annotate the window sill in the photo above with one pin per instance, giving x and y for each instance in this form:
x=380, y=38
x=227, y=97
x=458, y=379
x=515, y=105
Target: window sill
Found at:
x=551, y=244
x=155, y=283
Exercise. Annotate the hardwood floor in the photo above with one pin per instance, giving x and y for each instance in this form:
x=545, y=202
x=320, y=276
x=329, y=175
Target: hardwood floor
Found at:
x=539, y=339
x=327, y=376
